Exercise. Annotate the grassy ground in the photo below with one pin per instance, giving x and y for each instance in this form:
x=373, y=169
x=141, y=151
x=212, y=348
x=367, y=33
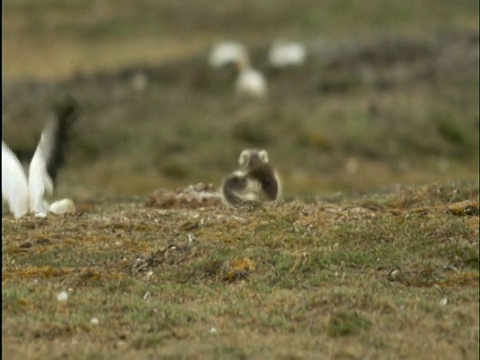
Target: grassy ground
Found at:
x=391, y=275
x=374, y=253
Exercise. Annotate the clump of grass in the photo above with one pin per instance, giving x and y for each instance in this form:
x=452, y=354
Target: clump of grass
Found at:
x=451, y=131
x=344, y=323
x=250, y=133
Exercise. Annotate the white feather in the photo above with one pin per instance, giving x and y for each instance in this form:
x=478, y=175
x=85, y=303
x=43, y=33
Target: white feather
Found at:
x=21, y=194
x=14, y=183
x=39, y=182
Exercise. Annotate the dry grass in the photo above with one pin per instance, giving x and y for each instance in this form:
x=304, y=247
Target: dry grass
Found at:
x=360, y=277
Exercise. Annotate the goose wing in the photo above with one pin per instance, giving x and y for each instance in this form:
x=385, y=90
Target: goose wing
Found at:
x=49, y=155
x=14, y=183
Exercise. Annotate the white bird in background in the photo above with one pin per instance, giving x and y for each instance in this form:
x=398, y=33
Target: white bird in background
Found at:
x=227, y=52
x=250, y=82
x=283, y=54
x=23, y=195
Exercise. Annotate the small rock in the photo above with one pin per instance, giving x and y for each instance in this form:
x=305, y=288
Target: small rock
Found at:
x=62, y=207
x=62, y=296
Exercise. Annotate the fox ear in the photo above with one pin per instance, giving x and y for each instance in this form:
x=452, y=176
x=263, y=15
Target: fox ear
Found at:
x=263, y=155
x=242, y=160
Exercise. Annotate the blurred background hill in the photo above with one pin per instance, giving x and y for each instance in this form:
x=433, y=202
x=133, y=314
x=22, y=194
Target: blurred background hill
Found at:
x=389, y=93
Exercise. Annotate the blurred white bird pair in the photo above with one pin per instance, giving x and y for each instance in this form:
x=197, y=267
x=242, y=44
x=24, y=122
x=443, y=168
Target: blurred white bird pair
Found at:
x=23, y=195
x=281, y=54
x=251, y=82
